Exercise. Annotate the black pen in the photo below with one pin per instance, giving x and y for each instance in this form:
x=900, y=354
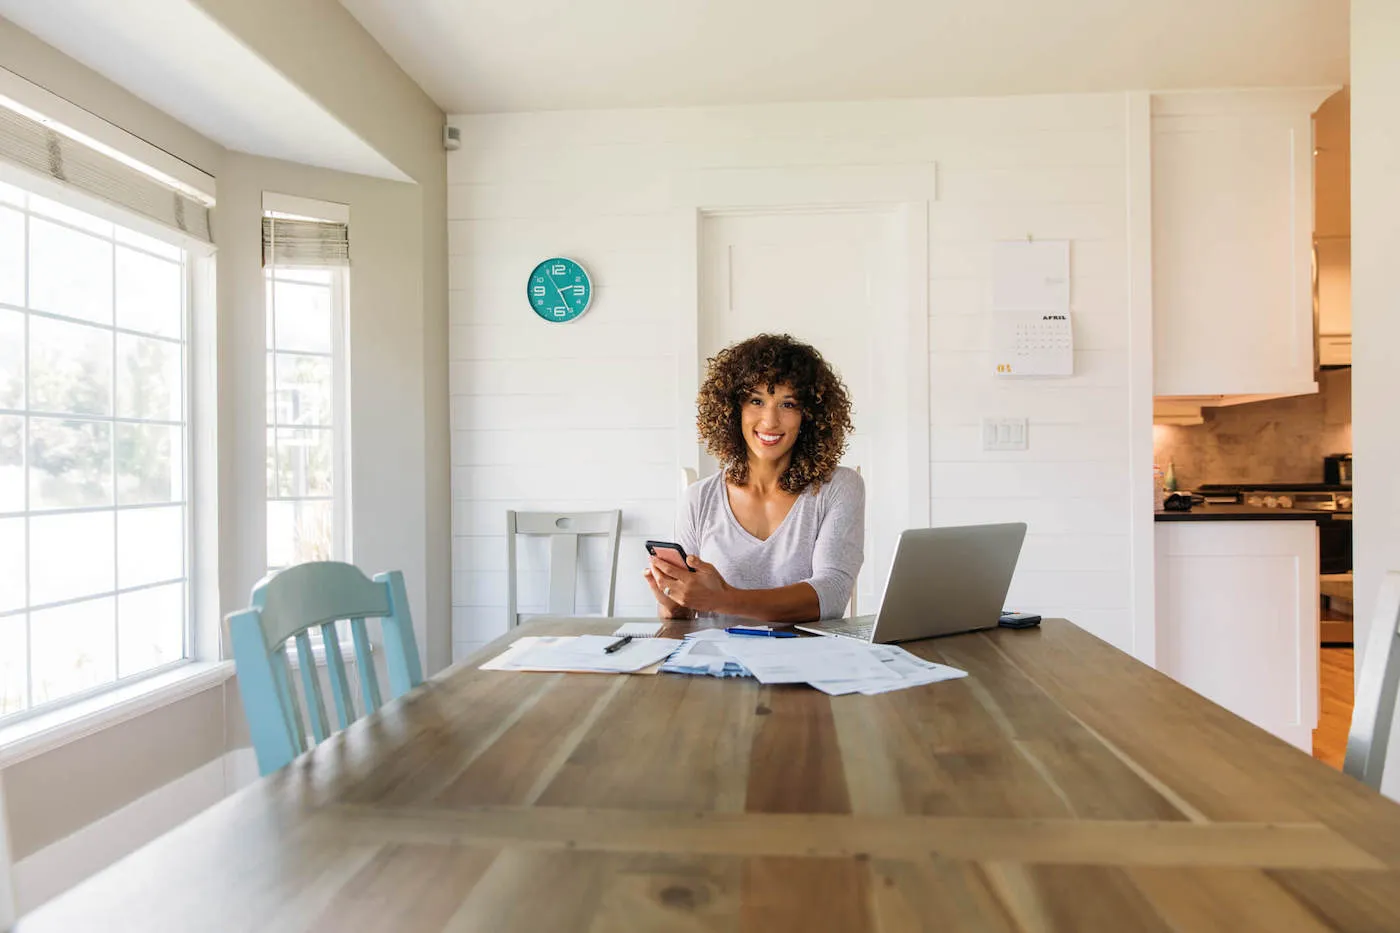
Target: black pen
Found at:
x=617, y=644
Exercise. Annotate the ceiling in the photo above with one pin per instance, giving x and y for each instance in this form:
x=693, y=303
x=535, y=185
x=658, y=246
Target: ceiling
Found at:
x=225, y=91
x=476, y=56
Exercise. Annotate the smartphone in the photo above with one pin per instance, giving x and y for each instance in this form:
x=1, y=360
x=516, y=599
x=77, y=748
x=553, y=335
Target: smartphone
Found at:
x=669, y=551
x=1012, y=619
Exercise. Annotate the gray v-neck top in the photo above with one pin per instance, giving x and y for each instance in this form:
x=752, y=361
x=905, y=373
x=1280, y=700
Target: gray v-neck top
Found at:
x=820, y=542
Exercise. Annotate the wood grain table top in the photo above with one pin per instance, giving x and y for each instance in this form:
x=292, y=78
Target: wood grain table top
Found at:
x=1062, y=786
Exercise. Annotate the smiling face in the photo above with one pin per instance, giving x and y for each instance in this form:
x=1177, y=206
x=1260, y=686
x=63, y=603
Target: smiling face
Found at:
x=770, y=421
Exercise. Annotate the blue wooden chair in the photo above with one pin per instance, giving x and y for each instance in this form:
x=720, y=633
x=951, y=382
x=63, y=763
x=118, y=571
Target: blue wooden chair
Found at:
x=285, y=605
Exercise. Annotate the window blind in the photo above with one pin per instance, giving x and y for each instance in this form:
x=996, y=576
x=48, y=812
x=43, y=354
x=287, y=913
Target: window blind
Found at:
x=34, y=146
x=289, y=242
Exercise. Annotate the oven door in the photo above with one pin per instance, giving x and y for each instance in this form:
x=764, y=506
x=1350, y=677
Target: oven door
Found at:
x=1334, y=544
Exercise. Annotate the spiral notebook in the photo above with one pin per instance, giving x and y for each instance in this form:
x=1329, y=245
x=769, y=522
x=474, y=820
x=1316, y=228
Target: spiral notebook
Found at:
x=639, y=629
x=583, y=654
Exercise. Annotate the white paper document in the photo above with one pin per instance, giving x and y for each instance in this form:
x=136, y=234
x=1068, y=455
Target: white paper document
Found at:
x=835, y=666
x=1031, y=276
x=583, y=653
x=902, y=669
x=703, y=653
x=805, y=660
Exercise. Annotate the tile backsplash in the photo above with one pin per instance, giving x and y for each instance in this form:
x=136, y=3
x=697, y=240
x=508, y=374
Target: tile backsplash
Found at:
x=1278, y=441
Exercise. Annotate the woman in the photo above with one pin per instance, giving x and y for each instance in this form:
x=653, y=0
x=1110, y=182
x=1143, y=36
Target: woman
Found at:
x=781, y=527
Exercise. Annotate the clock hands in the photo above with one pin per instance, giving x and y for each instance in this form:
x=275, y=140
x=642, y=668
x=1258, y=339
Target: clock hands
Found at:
x=557, y=291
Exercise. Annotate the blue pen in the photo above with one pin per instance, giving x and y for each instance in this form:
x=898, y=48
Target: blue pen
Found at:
x=760, y=630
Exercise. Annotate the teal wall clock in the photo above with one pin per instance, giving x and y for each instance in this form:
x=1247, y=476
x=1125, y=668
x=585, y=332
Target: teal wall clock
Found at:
x=559, y=290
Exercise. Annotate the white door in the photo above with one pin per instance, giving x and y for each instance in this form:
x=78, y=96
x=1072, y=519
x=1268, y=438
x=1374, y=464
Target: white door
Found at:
x=834, y=279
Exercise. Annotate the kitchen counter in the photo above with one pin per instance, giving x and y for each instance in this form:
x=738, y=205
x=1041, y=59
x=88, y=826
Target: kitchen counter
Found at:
x=1249, y=513
x=1237, y=611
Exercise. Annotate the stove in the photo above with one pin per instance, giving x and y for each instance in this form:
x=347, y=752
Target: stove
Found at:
x=1334, y=537
x=1311, y=497
x=1299, y=499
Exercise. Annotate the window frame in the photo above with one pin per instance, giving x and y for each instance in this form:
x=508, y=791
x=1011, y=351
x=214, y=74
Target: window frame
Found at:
x=195, y=305
x=339, y=409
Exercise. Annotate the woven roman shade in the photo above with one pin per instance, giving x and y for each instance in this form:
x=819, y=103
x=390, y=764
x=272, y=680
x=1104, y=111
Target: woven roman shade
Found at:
x=287, y=242
x=39, y=148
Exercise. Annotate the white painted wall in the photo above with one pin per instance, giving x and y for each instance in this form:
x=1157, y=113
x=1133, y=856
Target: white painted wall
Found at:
x=543, y=414
x=50, y=871
x=386, y=373
x=323, y=50
x=1375, y=303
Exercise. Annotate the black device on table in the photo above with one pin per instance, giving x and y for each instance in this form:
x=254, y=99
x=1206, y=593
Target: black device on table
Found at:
x=671, y=552
x=1011, y=619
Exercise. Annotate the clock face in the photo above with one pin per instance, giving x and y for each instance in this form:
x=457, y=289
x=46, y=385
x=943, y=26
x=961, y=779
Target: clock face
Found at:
x=559, y=290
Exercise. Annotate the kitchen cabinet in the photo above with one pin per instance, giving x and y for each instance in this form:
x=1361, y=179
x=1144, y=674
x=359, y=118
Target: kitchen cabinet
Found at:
x=1237, y=618
x=1232, y=237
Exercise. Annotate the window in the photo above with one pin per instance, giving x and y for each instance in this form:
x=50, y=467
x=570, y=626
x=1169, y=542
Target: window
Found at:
x=94, y=461
x=307, y=480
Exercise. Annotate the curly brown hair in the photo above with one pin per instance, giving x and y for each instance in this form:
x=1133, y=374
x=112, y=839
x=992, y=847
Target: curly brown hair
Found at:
x=771, y=360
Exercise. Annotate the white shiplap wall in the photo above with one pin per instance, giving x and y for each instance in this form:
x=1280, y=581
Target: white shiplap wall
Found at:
x=585, y=415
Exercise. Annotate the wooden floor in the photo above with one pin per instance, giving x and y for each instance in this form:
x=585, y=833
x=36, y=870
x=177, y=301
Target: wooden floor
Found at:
x=1334, y=712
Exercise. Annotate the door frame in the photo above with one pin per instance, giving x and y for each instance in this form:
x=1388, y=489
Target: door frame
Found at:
x=904, y=191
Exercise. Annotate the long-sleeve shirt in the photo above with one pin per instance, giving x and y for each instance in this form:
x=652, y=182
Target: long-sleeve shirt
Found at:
x=820, y=542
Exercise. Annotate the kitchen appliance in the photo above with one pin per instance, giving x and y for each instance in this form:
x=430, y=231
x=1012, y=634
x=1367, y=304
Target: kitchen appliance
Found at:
x=1336, y=469
x=1332, y=500
x=1333, y=535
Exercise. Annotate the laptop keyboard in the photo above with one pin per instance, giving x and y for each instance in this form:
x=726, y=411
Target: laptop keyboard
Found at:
x=851, y=628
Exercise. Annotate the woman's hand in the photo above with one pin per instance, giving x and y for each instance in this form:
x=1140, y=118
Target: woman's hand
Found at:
x=702, y=590
x=667, y=607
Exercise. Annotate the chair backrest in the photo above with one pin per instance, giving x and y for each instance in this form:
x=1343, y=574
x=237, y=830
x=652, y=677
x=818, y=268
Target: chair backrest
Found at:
x=285, y=606
x=563, y=529
x=688, y=477
x=1376, y=682
x=855, y=584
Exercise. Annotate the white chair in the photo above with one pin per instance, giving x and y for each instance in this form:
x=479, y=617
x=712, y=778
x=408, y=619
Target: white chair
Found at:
x=688, y=477
x=1374, y=711
x=563, y=529
x=855, y=587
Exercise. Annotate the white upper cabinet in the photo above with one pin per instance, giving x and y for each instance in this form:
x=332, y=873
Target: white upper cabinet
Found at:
x=1232, y=211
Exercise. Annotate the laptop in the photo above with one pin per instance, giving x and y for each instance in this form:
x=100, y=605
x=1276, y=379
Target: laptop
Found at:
x=942, y=581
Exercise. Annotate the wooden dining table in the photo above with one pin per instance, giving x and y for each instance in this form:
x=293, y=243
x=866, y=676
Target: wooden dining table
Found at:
x=1061, y=786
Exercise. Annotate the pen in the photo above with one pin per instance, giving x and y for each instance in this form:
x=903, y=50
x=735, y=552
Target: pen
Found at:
x=617, y=644
x=760, y=630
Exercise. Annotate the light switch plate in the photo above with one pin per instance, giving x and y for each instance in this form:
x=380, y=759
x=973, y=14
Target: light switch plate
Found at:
x=1005, y=434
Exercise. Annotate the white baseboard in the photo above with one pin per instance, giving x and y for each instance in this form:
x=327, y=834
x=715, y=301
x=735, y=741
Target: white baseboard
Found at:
x=61, y=865
x=8, y=913
x=240, y=769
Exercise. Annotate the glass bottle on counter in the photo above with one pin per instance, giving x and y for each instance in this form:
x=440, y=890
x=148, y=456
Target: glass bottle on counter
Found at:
x=1169, y=481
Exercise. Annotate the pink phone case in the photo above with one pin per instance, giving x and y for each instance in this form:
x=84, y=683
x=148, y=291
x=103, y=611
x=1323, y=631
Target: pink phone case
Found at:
x=669, y=552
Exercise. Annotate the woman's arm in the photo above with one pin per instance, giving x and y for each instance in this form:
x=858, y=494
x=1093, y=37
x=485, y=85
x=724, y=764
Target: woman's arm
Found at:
x=688, y=536
x=666, y=608
x=836, y=558
x=797, y=602
x=705, y=590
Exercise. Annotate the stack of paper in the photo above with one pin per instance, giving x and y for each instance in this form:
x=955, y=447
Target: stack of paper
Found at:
x=581, y=653
x=835, y=666
x=702, y=654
